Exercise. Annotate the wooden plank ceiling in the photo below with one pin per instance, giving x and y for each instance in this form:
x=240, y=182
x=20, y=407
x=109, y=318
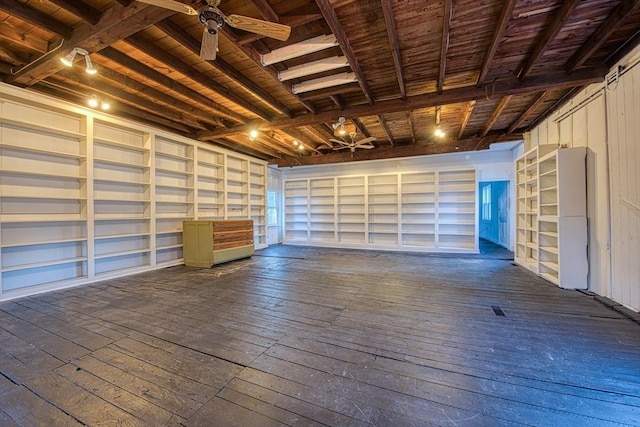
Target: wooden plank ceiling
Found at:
x=482, y=72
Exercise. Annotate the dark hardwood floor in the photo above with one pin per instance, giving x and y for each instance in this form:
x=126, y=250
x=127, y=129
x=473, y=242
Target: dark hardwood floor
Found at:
x=310, y=337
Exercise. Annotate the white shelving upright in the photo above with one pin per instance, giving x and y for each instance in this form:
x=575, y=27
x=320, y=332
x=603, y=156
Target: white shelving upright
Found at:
x=421, y=211
x=551, y=224
x=85, y=196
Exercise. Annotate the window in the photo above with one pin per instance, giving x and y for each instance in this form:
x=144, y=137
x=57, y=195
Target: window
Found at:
x=486, y=203
x=272, y=208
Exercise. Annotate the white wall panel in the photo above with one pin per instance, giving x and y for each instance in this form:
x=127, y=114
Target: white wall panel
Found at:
x=607, y=122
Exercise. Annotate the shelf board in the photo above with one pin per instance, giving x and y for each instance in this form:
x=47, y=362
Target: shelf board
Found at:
x=44, y=151
x=42, y=197
x=120, y=163
x=168, y=247
x=550, y=249
x=550, y=265
x=120, y=236
x=114, y=200
x=43, y=129
x=44, y=218
x=43, y=242
x=5, y=171
x=173, y=156
x=205, y=162
x=548, y=233
x=174, y=172
x=552, y=188
x=182, y=187
x=44, y=264
x=103, y=141
x=548, y=218
x=121, y=253
x=120, y=181
x=118, y=216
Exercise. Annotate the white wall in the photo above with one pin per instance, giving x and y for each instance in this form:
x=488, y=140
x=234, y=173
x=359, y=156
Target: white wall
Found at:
x=494, y=164
x=606, y=120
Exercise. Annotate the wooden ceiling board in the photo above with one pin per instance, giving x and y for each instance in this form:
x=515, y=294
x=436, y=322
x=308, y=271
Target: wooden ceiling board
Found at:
x=157, y=77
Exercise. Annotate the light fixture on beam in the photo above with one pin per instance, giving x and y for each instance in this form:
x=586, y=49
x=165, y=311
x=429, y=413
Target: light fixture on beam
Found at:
x=295, y=50
x=94, y=101
x=68, y=59
x=253, y=134
x=315, y=67
x=323, y=82
x=438, y=132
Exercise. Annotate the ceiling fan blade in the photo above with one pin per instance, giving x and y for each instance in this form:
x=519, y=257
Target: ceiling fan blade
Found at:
x=172, y=5
x=366, y=146
x=209, y=46
x=258, y=26
x=366, y=140
x=337, y=141
x=341, y=148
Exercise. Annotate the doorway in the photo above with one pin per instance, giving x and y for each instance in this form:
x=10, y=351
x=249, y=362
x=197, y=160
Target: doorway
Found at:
x=494, y=211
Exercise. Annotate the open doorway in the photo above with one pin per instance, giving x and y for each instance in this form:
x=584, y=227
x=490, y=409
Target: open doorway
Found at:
x=494, y=212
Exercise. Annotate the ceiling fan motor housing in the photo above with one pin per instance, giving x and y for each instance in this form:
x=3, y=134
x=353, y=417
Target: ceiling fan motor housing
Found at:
x=212, y=18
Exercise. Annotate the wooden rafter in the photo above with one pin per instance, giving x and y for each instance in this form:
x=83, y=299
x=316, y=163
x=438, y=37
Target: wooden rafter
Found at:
x=178, y=65
x=275, y=144
x=531, y=108
x=266, y=10
x=169, y=101
x=444, y=46
x=503, y=88
x=568, y=6
x=495, y=115
x=469, y=144
x=294, y=134
x=336, y=28
x=32, y=43
x=271, y=71
x=600, y=35
x=412, y=129
x=82, y=10
x=115, y=24
x=337, y=100
x=319, y=135
x=559, y=103
x=395, y=45
x=250, y=148
x=385, y=128
x=177, y=33
x=498, y=34
x=466, y=117
x=363, y=130
x=170, y=84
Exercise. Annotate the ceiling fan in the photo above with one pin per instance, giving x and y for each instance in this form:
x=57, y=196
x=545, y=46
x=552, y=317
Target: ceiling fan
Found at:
x=345, y=128
x=213, y=19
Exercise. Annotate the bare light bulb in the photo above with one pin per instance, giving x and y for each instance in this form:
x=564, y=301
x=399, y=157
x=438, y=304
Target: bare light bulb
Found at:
x=93, y=101
x=105, y=105
x=253, y=134
x=439, y=133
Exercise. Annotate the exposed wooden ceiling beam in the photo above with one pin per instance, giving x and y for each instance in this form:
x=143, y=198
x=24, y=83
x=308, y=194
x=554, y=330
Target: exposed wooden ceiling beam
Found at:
x=27, y=40
x=568, y=6
x=115, y=24
x=503, y=88
x=326, y=93
x=495, y=115
x=167, y=82
x=124, y=110
x=444, y=46
x=80, y=9
x=466, y=117
x=387, y=10
x=276, y=144
x=160, y=95
x=469, y=144
x=532, y=107
x=336, y=28
x=250, y=148
x=36, y=18
x=10, y=57
x=385, y=128
x=600, y=35
x=323, y=137
x=363, y=130
x=412, y=129
x=91, y=86
x=292, y=21
x=337, y=100
x=223, y=66
x=559, y=103
x=498, y=34
x=272, y=72
x=266, y=10
x=178, y=65
x=294, y=134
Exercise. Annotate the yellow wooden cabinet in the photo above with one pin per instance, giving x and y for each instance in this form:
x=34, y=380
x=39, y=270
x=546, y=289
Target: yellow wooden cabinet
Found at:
x=206, y=243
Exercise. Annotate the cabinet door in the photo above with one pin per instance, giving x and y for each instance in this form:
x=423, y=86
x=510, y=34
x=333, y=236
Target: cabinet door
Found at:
x=198, y=243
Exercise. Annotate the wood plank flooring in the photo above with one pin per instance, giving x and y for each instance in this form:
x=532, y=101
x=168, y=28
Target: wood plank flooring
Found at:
x=320, y=337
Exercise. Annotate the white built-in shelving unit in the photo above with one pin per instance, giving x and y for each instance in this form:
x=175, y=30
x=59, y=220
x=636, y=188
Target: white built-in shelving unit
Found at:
x=85, y=196
x=551, y=224
x=421, y=211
